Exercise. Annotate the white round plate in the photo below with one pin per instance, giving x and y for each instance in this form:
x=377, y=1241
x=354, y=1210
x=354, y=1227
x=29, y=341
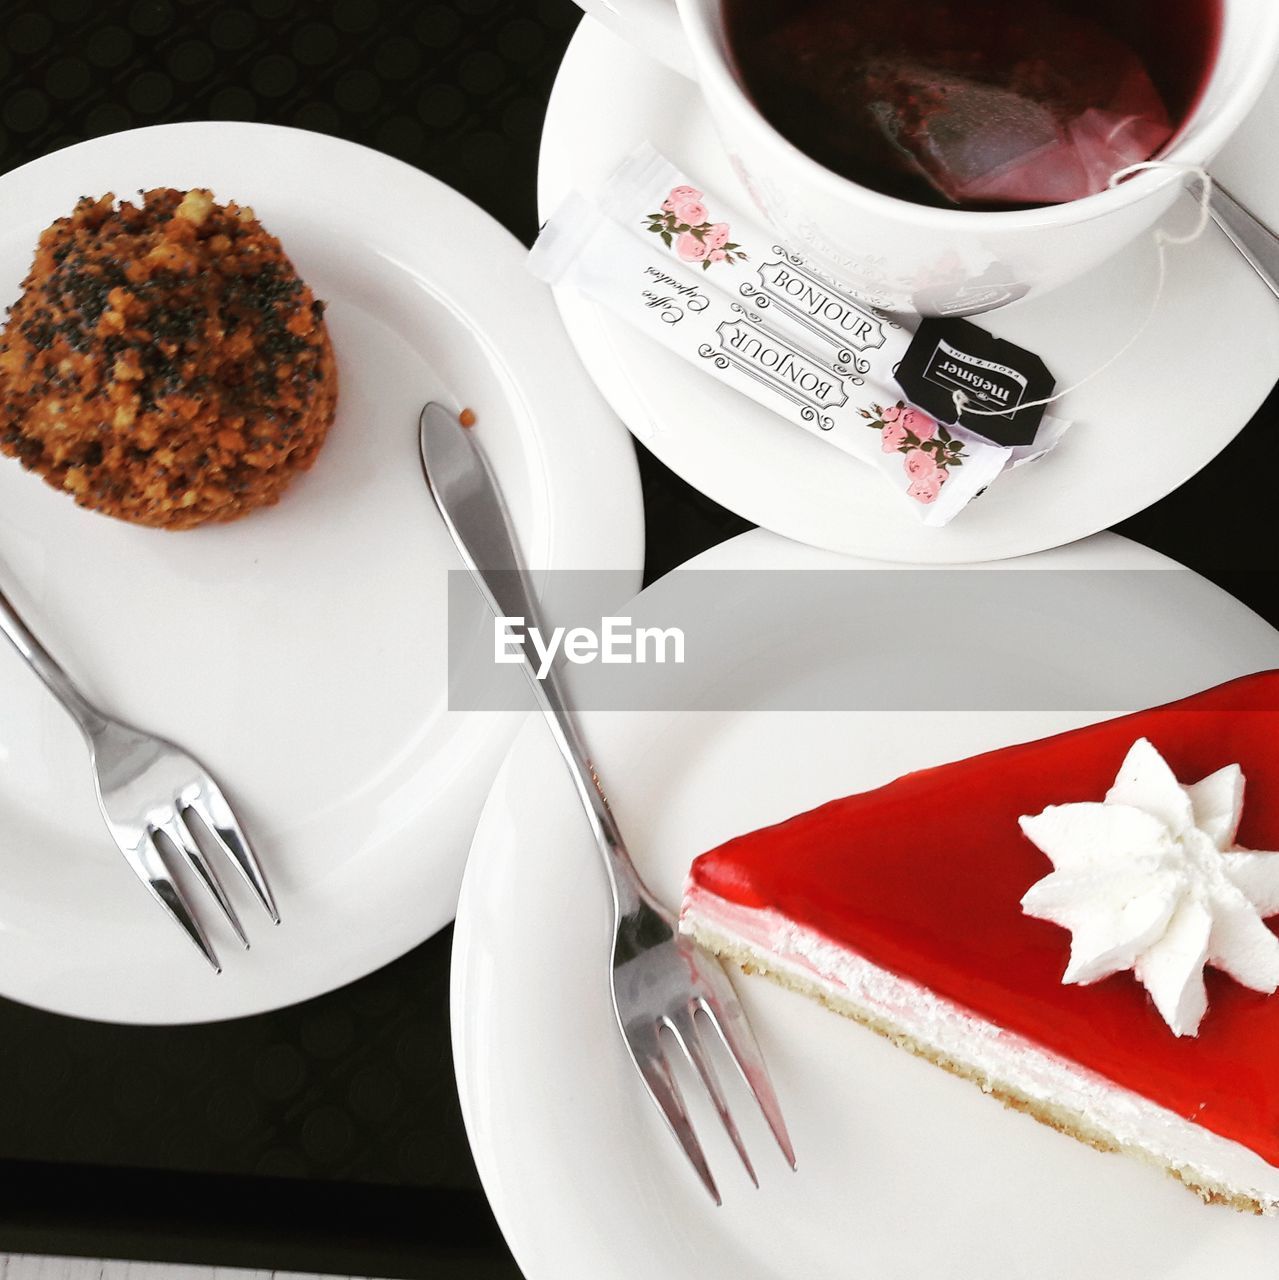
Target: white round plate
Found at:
x=904, y=1171
x=300, y=653
x=1144, y=426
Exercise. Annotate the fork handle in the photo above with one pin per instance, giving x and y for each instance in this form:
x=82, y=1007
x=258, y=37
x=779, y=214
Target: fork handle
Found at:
x=510, y=594
x=42, y=662
x=476, y=516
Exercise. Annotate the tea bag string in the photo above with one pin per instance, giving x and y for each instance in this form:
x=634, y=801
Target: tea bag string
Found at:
x=1163, y=239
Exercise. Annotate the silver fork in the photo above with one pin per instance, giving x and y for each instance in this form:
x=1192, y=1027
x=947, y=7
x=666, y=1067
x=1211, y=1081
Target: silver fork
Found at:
x=146, y=789
x=661, y=981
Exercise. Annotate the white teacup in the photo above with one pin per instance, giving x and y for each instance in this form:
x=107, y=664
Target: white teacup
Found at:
x=906, y=256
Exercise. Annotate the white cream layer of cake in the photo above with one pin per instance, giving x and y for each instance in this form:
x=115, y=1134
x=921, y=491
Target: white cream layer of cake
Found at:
x=1057, y=1091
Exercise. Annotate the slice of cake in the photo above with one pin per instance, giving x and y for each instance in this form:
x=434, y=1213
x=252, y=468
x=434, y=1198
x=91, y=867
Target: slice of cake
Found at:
x=1075, y=924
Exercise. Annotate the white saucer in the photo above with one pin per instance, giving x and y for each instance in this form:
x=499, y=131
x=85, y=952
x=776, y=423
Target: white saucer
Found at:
x=1143, y=427
x=904, y=1171
x=301, y=652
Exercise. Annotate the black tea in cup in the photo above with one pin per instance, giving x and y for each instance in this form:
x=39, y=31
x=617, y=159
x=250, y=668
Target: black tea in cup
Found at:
x=977, y=104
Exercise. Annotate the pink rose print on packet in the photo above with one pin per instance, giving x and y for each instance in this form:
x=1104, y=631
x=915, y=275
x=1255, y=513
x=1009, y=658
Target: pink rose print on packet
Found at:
x=919, y=464
x=894, y=436
x=927, y=489
x=694, y=212
x=923, y=427
x=928, y=450
x=690, y=248
x=684, y=225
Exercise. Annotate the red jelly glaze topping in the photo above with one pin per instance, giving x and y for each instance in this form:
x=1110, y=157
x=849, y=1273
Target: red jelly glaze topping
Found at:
x=924, y=877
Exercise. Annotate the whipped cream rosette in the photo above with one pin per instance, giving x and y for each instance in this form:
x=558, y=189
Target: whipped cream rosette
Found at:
x=1150, y=879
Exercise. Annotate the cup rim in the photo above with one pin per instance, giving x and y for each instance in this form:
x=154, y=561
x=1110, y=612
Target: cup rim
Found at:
x=701, y=29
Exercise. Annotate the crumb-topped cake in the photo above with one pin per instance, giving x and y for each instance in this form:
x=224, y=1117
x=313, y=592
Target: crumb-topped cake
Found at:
x=165, y=364
x=1076, y=924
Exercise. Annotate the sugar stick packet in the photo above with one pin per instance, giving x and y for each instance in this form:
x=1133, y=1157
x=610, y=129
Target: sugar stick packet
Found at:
x=941, y=355
x=778, y=332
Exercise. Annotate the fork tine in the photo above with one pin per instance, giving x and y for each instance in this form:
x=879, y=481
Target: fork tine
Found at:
x=211, y=807
x=689, y=1037
x=148, y=865
x=735, y=1031
x=178, y=834
x=656, y=1073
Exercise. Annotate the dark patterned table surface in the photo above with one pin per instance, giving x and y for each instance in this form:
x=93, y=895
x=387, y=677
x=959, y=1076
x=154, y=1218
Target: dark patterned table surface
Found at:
x=328, y=1136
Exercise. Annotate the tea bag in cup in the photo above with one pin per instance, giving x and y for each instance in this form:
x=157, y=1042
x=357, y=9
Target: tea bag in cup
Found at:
x=998, y=102
x=979, y=143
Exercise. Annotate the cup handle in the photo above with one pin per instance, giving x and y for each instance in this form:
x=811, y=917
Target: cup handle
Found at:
x=651, y=26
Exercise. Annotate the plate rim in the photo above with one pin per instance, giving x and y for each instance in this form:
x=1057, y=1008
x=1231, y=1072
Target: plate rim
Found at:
x=516, y=1226
x=597, y=335
x=596, y=525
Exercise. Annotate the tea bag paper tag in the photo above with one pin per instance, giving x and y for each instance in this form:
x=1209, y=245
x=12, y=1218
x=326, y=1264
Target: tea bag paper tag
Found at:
x=994, y=375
